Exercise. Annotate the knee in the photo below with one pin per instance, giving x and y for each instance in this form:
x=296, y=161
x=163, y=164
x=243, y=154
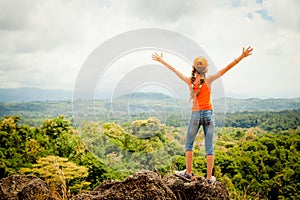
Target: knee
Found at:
x=189, y=147
x=209, y=149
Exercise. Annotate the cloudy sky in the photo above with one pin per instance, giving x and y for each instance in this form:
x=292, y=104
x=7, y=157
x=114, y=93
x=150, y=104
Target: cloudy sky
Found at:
x=44, y=44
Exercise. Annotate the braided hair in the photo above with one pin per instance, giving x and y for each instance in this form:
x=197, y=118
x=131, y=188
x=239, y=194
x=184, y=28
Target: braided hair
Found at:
x=193, y=94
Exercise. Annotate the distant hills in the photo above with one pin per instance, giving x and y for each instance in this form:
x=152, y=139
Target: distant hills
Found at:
x=255, y=104
x=138, y=102
x=36, y=105
x=140, y=95
x=26, y=94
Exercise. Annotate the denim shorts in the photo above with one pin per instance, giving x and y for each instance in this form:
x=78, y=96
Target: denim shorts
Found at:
x=206, y=119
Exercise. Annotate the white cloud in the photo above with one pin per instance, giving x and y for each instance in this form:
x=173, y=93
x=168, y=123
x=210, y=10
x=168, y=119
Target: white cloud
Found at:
x=286, y=13
x=44, y=43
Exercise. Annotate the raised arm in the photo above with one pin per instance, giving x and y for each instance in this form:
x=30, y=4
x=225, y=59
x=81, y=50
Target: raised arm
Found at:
x=245, y=53
x=159, y=58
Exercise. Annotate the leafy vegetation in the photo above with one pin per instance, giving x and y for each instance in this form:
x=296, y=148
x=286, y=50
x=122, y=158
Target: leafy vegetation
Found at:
x=22, y=146
x=60, y=173
x=269, y=121
x=261, y=164
x=131, y=147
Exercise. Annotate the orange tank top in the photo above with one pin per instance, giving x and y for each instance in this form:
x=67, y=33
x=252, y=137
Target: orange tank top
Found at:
x=203, y=101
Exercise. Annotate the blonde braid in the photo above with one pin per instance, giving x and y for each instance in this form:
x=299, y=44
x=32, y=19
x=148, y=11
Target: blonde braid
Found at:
x=193, y=95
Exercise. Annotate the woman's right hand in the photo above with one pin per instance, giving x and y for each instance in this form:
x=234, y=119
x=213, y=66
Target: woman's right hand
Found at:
x=157, y=57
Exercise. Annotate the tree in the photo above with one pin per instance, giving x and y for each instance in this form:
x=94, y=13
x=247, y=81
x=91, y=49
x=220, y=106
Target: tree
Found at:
x=62, y=175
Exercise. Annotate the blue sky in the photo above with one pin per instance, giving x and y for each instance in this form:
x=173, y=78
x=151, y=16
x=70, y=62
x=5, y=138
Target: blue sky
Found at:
x=44, y=44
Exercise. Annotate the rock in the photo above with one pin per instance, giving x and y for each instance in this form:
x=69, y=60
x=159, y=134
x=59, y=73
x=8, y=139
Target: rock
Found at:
x=196, y=189
x=149, y=185
x=23, y=187
x=142, y=185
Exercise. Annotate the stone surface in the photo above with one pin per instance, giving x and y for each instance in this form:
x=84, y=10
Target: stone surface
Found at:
x=198, y=188
x=149, y=185
x=142, y=185
x=23, y=187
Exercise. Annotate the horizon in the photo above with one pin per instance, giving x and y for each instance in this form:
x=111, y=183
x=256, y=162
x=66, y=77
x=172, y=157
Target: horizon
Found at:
x=67, y=95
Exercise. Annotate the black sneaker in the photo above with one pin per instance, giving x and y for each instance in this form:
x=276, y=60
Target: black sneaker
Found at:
x=184, y=175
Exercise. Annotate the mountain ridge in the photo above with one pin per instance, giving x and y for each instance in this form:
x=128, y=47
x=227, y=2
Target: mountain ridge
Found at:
x=28, y=94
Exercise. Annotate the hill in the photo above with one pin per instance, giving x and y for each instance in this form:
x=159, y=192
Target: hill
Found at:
x=26, y=94
x=255, y=104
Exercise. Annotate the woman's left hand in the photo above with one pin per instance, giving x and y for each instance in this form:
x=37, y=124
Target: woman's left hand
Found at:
x=247, y=52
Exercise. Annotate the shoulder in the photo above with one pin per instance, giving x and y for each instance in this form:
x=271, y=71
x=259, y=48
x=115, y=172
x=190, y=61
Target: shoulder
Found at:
x=187, y=80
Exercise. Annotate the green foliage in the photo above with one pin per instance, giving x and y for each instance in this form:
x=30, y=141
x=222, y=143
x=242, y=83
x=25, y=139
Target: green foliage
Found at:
x=59, y=172
x=254, y=164
x=33, y=150
x=54, y=127
x=131, y=142
x=264, y=167
x=269, y=121
x=126, y=149
x=98, y=172
x=147, y=128
x=257, y=158
x=13, y=140
x=22, y=146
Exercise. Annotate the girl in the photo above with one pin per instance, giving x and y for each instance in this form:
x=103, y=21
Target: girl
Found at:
x=202, y=109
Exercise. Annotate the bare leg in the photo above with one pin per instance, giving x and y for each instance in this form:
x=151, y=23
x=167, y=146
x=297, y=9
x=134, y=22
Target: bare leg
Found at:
x=189, y=162
x=210, y=165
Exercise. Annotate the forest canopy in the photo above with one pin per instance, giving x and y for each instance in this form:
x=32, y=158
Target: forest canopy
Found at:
x=252, y=162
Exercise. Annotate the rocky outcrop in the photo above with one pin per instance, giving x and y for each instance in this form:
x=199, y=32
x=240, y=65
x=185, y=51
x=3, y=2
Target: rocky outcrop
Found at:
x=23, y=187
x=149, y=185
x=196, y=189
x=142, y=185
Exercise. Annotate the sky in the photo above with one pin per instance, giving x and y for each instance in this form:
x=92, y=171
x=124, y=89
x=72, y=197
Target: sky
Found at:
x=43, y=44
